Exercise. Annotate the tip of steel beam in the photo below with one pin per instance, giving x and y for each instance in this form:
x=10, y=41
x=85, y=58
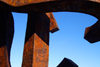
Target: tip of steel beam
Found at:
x=53, y=24
x=67, y=63
x=54, y=30
x=92, y=33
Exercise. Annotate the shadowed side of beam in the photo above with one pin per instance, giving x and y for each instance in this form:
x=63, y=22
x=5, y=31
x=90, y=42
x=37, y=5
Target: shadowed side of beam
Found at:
x=92, y=33
x=6, y=37
x=36, y=48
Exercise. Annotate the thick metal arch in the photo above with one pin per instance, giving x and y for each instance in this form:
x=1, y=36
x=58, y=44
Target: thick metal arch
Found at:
x=85, y=6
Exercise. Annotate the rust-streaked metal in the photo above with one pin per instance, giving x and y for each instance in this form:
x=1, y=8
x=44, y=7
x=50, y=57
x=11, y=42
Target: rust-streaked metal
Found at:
x=17, y=3
x=36, y=48
x=36, y=52
x=41, y=52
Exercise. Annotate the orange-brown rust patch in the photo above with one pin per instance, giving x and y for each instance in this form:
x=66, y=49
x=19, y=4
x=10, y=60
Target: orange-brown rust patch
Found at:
x=17, y=3
x=41, y=52
x=4, y=57
x=23, y=2
x=37, y=52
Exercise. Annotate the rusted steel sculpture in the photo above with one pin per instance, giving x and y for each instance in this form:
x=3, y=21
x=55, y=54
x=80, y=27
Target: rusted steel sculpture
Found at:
x=67, y=63
x=40, y=23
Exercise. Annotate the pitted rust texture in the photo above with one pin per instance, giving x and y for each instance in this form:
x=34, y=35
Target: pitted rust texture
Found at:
x=24, y=2
x=36, y=47
x=6, y=36
x=28, y=53
x=36, y=52
x=41, y=52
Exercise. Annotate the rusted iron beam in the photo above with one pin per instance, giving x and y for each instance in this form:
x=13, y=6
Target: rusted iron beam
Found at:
x=67, y=63
x=36, y=48
x=92, y=33
x=6, y=37
x=53, y=24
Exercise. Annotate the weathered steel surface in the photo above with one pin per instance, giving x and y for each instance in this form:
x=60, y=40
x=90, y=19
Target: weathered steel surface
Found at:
x=6, y=36
x=36, y=47
x=41, y=52
x=53, y=24
x=67, y=63
x=85, y=6
x=27, y=2
x=92, y=33
x=24, y=2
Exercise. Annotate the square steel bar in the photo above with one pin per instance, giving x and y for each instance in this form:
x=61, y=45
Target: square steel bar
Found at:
x=36, y=49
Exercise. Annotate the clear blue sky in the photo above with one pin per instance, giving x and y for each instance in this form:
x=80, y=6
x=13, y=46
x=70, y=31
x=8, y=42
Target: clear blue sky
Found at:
x=68, y=42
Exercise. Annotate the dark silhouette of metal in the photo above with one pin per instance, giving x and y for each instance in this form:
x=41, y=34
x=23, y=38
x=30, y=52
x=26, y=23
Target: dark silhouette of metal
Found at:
x=40, y=23
x=92, y=33
x=67, y=63
x=6, y=37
